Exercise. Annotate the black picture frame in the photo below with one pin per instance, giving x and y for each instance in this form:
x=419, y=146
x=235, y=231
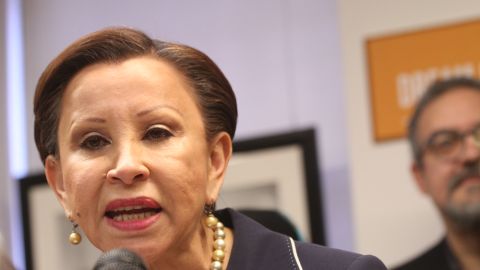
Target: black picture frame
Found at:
x=26, y=184
x=305, y=139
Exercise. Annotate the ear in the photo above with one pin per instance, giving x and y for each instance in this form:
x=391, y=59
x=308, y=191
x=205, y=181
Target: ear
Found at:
x=417, y=171
x=220, y=153
x=53, y=173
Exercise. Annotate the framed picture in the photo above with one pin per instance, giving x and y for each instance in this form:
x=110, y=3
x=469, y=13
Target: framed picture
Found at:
x=46, y=231
x=277, y=172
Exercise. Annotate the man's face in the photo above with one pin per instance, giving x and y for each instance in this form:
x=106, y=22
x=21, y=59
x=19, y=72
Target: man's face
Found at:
x=451, y=179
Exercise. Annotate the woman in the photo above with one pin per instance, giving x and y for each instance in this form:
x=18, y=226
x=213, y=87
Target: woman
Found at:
x=136, y=135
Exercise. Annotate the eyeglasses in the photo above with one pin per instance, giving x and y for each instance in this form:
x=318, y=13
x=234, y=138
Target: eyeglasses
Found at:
x=450, y=144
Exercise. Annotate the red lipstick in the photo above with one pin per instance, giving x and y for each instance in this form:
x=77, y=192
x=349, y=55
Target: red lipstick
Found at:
x=132, y=214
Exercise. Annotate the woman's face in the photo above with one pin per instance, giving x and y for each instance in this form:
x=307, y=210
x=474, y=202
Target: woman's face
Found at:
x=134, y=168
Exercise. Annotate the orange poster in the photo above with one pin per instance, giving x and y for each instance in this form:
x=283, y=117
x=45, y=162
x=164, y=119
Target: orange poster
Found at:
x=402, y=66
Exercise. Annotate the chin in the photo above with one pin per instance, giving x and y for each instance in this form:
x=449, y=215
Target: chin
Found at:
x=148, y=254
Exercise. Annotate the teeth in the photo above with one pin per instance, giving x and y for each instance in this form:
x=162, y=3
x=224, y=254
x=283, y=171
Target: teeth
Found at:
x=137, y=216
x=128, y=208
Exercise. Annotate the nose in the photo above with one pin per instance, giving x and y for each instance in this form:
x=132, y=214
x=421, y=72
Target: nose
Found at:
x=128, y=167
x=472, y=150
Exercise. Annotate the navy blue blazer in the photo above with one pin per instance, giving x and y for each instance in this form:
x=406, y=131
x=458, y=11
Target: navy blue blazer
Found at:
x=438, y=257
x=256, y=247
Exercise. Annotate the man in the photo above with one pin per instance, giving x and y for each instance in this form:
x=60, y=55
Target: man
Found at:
x=444, y=133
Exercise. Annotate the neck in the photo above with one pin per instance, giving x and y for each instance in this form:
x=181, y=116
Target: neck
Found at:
x=465, y=245
x=197, y=255
x=191, y=253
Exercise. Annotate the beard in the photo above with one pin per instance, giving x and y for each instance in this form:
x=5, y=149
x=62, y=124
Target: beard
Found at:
x=465, y=215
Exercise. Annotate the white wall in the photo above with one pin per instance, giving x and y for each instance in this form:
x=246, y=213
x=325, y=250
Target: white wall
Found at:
x=282, y=58
x=4, y=178
x=391, y=218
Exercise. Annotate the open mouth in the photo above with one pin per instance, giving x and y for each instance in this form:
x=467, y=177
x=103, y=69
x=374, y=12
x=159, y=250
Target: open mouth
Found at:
x=131, y=213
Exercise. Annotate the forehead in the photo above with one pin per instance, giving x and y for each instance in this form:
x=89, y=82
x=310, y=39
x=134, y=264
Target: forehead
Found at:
x=135, y=76
x=128, y=87
x=458, y=109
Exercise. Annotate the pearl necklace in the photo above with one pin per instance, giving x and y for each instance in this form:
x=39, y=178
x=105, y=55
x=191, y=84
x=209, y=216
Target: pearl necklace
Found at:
x=218, y=241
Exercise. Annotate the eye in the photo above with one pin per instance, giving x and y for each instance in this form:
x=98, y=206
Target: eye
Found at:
x=476, y=133
x=445, y=142
x=94, y=142
x=157, y=134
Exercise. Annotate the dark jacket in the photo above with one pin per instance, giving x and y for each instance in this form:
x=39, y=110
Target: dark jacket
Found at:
x=439, y=257
x=255, y=247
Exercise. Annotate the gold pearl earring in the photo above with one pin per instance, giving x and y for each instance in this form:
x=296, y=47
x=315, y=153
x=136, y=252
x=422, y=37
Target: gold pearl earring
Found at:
x=219, y=243
x=75, y=238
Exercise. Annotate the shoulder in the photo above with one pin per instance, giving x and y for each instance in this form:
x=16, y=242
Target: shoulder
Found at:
x=433, y=258
x=256, y=247
x=319, y=257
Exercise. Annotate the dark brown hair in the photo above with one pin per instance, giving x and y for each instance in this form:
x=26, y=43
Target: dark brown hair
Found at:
x=213, y=92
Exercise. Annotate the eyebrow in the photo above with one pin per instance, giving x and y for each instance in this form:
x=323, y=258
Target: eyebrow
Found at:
x=139, y=114
x=96, y=120
x=450, y=131
x=441, y=131
x=91, y=119
x=150, y=110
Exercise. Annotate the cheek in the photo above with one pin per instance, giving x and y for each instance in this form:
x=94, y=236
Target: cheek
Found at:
x=184, y=179
x=82, y=187
x=195, y=162
x=190, y=181
x=437, y=176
